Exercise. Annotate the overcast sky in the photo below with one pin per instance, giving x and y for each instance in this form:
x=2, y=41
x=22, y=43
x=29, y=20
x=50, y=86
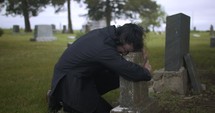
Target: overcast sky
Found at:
x=202, y=13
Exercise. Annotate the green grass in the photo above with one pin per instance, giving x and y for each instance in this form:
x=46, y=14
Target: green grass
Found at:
x=26, y=71
x=26, y=67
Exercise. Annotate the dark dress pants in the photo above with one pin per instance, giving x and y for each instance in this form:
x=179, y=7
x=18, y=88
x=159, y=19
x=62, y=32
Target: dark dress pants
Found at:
x=105, y=81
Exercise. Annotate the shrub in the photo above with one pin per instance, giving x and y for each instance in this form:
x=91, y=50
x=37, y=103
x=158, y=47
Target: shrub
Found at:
x=1, y=32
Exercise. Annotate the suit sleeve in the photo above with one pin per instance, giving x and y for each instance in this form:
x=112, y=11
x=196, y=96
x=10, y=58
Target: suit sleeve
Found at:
x=111, y=59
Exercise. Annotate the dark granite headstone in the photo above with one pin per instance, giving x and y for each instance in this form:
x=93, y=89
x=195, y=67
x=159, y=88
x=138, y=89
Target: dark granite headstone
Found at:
x=211, y=30
x=15, y=28
x=212, y=39
x=192, y=73
x=177, y=41
x=64, y=29
x=53, y=28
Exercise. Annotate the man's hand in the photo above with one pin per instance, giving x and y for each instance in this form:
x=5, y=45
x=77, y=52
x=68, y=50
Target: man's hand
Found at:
x=146, y=63
x=148, y=66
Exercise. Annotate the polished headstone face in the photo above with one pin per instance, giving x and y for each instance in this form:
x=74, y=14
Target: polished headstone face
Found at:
x=43, y=33
x=177, y=41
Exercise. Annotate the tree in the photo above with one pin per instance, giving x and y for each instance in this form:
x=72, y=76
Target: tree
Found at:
x=150, y=13
x=1, y=4
x=59, y=5
x=25, y=8
x=119, y=9
x=108, y=9
x=154, y=19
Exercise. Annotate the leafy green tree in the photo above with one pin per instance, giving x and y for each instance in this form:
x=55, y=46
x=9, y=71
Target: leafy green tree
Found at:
x=108, y=9
x=25, y=8
x=1, y=4
x=119, y=9
x=150, y=13
x=154, y=19
x=59, y=6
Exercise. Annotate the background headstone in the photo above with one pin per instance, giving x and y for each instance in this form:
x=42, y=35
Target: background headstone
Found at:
x=177, y=41
x=15, y=28
x=53, y=28
x=43, y=33
x=211, y=30
x=212, y=39
x=64, y=29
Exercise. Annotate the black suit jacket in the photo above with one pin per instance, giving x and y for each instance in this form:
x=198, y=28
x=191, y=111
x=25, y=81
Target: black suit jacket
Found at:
x=82, y=60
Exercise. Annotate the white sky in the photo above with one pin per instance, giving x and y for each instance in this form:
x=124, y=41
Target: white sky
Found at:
x=202, y=13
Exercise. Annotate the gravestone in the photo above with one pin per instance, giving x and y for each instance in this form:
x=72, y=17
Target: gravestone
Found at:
x=53, y=28
x=64, y=29
x=177, y=41
x=15, y=28
x=43, y=33
x=134, y=95
x=194, y=28
x=174, y=76
x=193, y=74
x=211, y=30
x=212, y=39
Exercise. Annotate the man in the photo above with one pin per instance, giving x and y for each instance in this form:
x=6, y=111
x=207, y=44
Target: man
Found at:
x=91, y=67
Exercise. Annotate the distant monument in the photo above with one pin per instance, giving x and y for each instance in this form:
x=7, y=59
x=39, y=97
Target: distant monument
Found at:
x=53, y=28
x=16, y=29
x=64, y=29
x=43, y=33
x=212, y=39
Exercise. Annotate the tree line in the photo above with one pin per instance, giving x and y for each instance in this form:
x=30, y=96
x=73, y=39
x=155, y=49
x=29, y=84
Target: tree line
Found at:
x=149, y=12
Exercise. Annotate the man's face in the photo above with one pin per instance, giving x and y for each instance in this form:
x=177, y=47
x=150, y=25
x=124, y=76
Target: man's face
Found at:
x=125, y=49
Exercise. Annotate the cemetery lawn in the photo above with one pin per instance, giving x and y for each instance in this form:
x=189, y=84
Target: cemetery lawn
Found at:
x=27, y=68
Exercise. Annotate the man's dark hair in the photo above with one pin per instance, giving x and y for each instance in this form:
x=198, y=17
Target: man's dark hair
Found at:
x=130, y=34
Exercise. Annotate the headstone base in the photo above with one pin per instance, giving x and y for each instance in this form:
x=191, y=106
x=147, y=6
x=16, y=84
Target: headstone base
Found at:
x=212, y=42
x=43, y=39
x=176, y=81
x=149, y=107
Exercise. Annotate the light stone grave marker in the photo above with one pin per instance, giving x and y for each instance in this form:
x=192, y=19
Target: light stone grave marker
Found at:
x=134, y=95
x=43, y=33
